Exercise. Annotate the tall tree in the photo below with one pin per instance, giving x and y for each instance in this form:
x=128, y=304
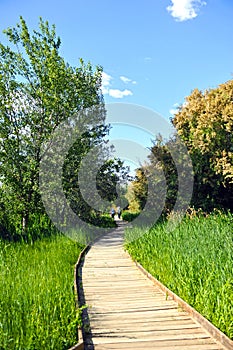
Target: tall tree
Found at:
x=205, y=123
x=38, y=91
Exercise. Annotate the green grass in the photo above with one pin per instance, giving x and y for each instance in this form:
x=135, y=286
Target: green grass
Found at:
x=37, y=304
x=195, y=261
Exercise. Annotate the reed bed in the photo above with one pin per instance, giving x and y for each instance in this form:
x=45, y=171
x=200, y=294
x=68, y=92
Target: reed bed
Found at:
x=37, y=303
x=195, y=261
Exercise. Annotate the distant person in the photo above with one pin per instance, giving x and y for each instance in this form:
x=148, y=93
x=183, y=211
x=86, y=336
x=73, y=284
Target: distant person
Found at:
x=113, y=212
x=119, y=212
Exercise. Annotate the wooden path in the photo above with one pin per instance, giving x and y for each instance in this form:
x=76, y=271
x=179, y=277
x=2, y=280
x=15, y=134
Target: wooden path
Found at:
x=127, y=311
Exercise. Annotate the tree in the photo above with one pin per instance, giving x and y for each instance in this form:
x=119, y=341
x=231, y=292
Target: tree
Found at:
x=111, y=180
x=164, y=182
x=38, y=91
x=161, y=159
x=92, y=182
x=205, y=123
x=139, y=187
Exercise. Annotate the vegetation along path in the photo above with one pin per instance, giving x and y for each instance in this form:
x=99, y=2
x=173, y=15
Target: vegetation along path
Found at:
x=126, y=310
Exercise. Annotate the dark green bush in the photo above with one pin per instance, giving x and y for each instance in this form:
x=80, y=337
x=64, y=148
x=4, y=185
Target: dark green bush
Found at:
x=128, y=216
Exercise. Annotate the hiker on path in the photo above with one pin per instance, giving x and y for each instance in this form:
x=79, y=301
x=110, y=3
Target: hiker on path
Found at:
x=113, y=212
x=119, y=212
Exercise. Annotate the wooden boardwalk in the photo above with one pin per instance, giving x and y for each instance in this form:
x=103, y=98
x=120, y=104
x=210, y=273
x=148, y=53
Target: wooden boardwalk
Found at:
x=127, y=311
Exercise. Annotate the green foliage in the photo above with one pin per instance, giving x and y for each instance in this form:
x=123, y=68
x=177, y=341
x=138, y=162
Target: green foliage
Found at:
x=157, y=182
x=205, y=123
x=161, y=160
x=137, y=191
x=38, y=91
x=106, y=174
x=129, y=216
x=112, y=174
x=37, y=302
x=194, y=261
x=103, y=220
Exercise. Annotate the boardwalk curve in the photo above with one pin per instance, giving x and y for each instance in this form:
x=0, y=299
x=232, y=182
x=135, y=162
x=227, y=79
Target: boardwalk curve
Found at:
x=127, y=310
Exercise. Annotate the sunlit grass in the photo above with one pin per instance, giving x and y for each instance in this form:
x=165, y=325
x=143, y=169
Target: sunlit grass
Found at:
x=195, y=261
x=37, y=304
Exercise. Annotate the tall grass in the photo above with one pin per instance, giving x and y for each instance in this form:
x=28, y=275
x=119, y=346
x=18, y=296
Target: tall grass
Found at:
x=37, y=305
x=195, y=261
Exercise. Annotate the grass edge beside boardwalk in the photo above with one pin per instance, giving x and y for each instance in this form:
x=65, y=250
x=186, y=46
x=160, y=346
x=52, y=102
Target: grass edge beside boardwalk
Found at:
x=195, y=261
x=37, y=300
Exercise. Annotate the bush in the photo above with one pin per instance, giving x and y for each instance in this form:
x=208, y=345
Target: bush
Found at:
x=103, y=221
x=128, y=216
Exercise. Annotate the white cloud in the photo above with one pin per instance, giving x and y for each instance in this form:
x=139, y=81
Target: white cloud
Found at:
x=174, y=110
x=116, y=93
x=147, y=59
x=183, y=10
x=106, y=79
x=127, y=80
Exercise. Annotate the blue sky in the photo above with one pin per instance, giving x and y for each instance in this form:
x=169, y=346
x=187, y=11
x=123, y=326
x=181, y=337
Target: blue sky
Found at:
x=153, y=52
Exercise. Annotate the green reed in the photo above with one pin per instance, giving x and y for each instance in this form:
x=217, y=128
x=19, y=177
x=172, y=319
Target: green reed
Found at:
x=195, y=261
x=37, y=303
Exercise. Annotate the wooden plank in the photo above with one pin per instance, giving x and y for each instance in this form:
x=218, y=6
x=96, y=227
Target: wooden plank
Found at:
x=80, y=344
x=145, y=337
x=172, y=345
x=127, y=310
x=208, y=326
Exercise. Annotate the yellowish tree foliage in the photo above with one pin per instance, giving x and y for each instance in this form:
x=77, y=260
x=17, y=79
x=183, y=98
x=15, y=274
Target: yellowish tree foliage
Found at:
x=205, y=122
x=137, y=191
x=134, y=206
